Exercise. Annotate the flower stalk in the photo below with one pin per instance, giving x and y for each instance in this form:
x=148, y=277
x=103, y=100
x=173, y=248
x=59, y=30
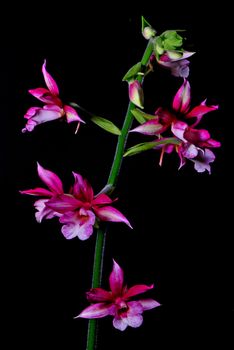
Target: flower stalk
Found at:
x=112, y=181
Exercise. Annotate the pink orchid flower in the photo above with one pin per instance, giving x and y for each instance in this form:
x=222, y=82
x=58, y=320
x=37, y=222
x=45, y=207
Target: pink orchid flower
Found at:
x=180, y=110
x=53, y=108
x=195, y=143
x=78, y=210
x=117, y=302
x=81, y=208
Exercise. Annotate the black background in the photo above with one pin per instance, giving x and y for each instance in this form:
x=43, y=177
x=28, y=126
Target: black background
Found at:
x=180, y=240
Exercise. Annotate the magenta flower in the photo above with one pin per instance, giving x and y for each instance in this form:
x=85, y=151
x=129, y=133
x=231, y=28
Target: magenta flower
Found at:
x=53, y=108
x=195, y=143
x=78, y=210
x=117, y=302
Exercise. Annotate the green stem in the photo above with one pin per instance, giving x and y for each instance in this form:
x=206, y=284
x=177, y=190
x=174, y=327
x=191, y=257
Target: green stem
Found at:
x=96, y=281
x=122, y=139
x=112, y=180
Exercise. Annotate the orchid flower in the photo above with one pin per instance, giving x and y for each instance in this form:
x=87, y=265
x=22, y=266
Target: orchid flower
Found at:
x=194, y=142
x=53, y=108
x=117, y=302
x=78, y=210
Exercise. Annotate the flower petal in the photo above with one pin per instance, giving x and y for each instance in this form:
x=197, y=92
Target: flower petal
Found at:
x=134, y=321
x=151, y=127
x=78, y=224
x=178, y=64
x=199, y=111
x=102, y=199
x=43, y=211
x=202, y=162
x=64, y=203
x=116, y=279
x=42, y=115
x=210, y=143
x=31, y=112
x=109, y=213
x=135, y=290
x=180, y=68
x=120, y=323
x=50, y=82
x=50, y=179
x=180, y=154
x=178, y=130
x=45, y=96
x=82, y=188
x=196, y=136
x=97, y=311
x=182, y=98
x=173, y=55
x=38, y=191
x=98, y=295
x=71, y=115
x=135, y=92
x=149, y=304
x=189, y=151
x=135, y=307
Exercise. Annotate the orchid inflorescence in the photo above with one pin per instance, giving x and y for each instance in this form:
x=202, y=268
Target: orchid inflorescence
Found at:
x=173, y=129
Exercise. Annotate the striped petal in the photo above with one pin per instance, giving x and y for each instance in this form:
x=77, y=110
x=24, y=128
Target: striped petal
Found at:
x=198, y=111
x=64, y=203
x=82, y=189
x=50, y=179
x=109, y=213
x=151, y=127
x=50, y=82
x=98, y=310
x=98, y=295
x=45, y=96
x=38, y=191
x=135, y=290
x=148, y=304
x=102, y=199
x=116, y=279
x=182, y=98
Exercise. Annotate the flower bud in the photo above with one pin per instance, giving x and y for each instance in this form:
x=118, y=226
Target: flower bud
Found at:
x=136, y=94
x=148, y=32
